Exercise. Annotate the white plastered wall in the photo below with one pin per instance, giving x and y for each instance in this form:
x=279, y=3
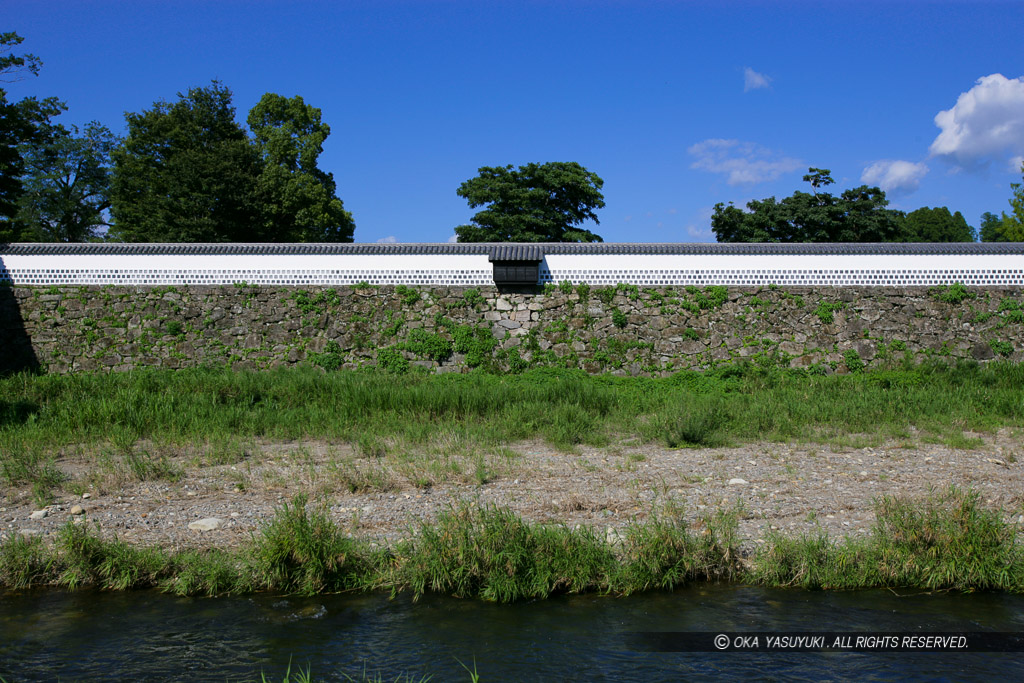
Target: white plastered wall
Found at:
x=475, y=270
x=284, y=269
x=790, y=269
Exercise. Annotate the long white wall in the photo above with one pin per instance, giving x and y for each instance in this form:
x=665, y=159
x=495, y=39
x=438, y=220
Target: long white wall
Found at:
x=833, y=269
x=263, y=269
x=475, y=270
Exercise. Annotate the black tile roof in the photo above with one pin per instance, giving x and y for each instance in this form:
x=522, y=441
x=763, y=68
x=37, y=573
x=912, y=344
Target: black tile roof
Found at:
x=518, y=251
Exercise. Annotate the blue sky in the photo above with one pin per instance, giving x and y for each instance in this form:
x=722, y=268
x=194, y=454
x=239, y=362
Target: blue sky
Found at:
x=676, y=105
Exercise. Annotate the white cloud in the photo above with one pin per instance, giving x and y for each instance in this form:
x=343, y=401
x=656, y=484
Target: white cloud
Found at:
x=1016, y=164
x=894, y=176
x=742, y=162
x=390, y=239
x=986, y=123
x=453, y=239
x=702, y=234
x=753, y=80
x=700, y=229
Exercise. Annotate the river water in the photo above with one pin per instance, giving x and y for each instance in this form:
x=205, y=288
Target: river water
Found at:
x=147, y=636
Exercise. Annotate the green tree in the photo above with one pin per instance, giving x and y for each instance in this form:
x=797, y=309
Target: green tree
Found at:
x=66, y=184
x=936, y=225
x=1006, y=227
x=1017, y=200
x=12, y=66
x=187, y=172
x=1001, y=228
x=21, y=123
x=857, y=215
x=818, y=177
x=532, y=203
x=297, y=200
x=990, y=231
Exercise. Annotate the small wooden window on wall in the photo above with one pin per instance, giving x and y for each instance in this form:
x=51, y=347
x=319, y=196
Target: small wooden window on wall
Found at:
x=516, y=272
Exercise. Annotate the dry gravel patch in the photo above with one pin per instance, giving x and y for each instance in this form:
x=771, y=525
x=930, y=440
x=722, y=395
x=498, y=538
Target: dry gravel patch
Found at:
x=792, y=488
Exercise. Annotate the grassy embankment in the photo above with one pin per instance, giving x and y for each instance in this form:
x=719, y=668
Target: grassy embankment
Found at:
x=135, y=426
x=130, y=421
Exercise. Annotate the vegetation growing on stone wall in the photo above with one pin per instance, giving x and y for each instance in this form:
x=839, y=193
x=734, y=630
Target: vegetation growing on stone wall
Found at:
x=427, y=345
x=390, y=359
x=476, y=343
x=407, y=295
x=712, y=297
x=392, y=324
x=952, y=294
x=1003, y=348
x=606, y=294
x=261, y=327
x=472, y=298
x=332, y=357
x=318, y=303
x=826, y=311
x=619, y=318
x=853, y=360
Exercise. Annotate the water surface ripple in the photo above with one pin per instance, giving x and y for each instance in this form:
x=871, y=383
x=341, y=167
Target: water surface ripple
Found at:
x=146, y=636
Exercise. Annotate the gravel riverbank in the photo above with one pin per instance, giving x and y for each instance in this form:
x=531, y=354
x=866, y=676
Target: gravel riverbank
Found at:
x=790, y=488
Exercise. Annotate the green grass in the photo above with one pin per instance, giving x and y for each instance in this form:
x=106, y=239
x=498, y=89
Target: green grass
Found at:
x=493, y=554
x=663, y=552
x=43, y=415
x=945, y=542
x=305, y=552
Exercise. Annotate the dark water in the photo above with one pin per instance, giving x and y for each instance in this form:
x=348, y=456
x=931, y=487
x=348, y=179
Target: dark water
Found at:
x=147, y=636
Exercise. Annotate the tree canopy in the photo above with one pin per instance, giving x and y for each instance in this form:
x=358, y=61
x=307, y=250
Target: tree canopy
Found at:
x=185, y=173
x=188, y=172
x=297, y=199
x=1006, y=227
x=936, y=225
x=533, y=203
x=66, y=184
x=857, y=215
x=21, y=123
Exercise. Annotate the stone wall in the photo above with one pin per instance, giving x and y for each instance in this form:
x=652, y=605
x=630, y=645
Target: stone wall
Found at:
x=622, y=330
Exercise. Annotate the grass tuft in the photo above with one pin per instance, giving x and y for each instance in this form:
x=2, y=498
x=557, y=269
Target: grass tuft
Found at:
x=306, y=553
x=946, y=542
x=24, y=561
x=86, y=559
x=493, y=554
x=663, y=552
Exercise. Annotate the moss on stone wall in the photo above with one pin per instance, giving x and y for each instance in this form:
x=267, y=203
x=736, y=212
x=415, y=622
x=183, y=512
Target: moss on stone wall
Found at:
x=623, y=329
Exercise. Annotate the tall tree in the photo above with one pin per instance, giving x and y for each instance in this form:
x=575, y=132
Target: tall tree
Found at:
x=532, y=203
x=1017, y=200
x=67, y=182
x=1001, y=228
x=21, y=123
x=936, y=225
x=857, y=215
x=298, y=200
x=186, y=173
x=990, y=231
